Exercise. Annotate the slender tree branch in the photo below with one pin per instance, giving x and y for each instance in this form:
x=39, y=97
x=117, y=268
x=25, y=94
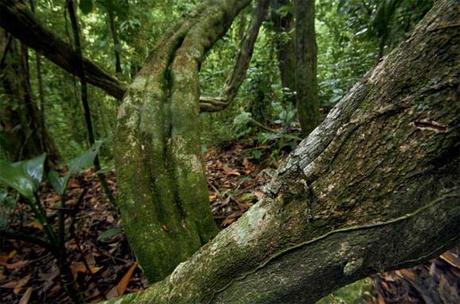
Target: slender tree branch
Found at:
x=81, y=72
x=236, y=78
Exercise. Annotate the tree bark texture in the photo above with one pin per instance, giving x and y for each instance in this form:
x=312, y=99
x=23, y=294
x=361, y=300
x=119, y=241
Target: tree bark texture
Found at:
x=283, y=26
x=116, y=41
x=21, y=118
x=376, y=186
x=305, y=72
x=163, y=190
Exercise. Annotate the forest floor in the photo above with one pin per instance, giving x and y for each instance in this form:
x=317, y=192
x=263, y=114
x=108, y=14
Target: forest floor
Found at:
x=104, y=266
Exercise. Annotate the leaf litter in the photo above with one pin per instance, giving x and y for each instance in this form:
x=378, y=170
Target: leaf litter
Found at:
x=105, y=267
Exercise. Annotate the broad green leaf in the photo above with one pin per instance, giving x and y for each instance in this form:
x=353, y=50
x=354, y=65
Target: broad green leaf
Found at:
x=75, y=166
x=86, y=6
x=15, y=178
x=23, y=176
x=59, y=183
x=33, y=168
x=85, y=160
x=108, y=234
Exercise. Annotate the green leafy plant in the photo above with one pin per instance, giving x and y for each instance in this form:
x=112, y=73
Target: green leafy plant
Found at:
x=241, y=124
x=25, y=177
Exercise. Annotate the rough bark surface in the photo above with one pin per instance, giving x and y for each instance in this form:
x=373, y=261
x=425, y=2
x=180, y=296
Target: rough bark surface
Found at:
x=163, y=191
x=375, y=187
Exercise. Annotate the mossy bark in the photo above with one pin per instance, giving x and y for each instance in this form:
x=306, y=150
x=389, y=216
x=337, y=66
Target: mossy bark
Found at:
x=163, y=190
x=375, y=187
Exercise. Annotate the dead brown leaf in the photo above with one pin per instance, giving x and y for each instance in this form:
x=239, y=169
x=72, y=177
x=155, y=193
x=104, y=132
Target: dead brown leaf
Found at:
x=231, y=171
x=26, y=296
x=17, y=285
x=14, y=266
x=213, y=197
x=120, y=289
x=80, y=267
x=35, y=224
x=4, y=258
x=451, y=258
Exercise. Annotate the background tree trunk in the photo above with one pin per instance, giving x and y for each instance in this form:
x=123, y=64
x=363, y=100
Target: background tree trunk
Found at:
x=25, y=135
x=375, y=187
x=305, y=71
x=283, y=25
x=116, y=42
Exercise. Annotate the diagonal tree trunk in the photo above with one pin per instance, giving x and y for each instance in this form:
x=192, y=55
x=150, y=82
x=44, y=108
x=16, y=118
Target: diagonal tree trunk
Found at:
x=375, y=187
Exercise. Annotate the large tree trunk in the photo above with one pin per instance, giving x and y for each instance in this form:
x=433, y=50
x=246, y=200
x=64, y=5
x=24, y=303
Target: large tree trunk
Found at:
x=162, y=184
x=375, y=187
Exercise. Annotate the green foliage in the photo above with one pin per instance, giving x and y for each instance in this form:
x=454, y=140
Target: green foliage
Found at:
x=119, y=7
x=74, y=167
x=109, y=234
x=86, y=6
x=356, y=293
x=24, y=176
x=349, y=35
x=241, y=124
